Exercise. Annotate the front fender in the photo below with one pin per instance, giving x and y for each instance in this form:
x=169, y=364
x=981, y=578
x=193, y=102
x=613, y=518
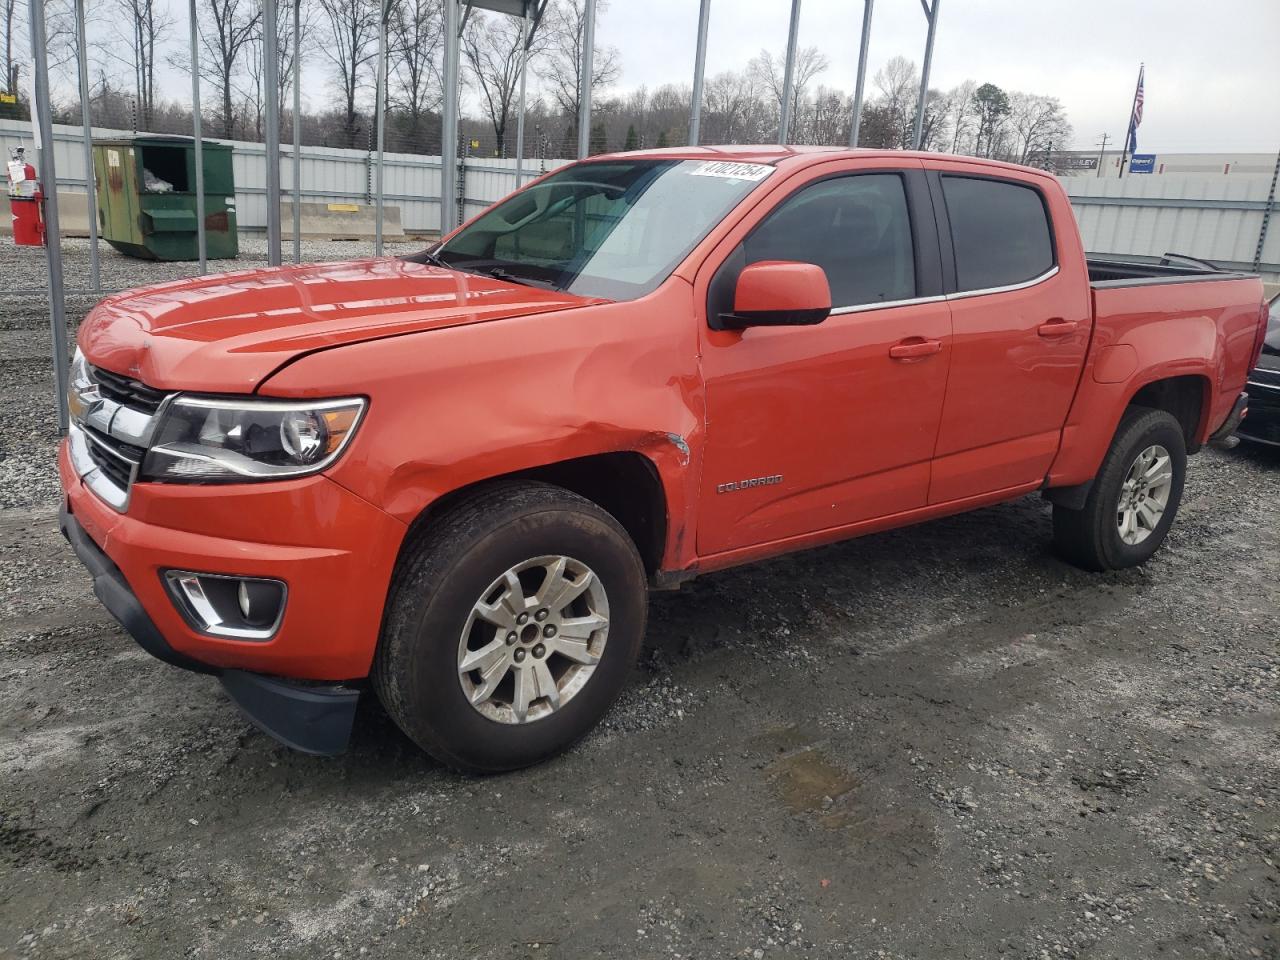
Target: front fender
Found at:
x=453, y=407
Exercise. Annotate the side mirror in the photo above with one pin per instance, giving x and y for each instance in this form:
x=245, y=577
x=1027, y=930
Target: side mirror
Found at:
x=779, y=293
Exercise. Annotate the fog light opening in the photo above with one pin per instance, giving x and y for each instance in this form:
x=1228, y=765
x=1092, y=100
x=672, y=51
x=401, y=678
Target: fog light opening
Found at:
x=240, y=608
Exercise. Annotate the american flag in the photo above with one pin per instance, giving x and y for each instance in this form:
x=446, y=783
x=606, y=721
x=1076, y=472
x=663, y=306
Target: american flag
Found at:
x=1136, y=119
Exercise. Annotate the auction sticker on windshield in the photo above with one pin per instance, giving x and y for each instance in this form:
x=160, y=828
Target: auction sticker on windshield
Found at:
x=728, y=170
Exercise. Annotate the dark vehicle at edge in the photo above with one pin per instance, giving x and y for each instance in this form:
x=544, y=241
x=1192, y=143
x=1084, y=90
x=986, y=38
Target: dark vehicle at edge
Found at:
x=1262, y=425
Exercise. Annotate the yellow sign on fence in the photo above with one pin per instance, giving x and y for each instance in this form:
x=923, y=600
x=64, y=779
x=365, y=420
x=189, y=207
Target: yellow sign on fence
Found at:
x=343, y=208
x=8, y=98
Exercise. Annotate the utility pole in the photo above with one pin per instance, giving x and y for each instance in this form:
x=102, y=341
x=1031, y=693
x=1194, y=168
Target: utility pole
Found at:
x=1102, y=151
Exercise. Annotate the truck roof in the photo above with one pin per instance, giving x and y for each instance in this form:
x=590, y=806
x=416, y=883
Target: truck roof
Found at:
x=801, y=155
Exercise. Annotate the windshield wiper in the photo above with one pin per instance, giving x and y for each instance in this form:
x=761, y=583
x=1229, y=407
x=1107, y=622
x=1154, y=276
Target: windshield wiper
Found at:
x=435, y=260
x=500, y=273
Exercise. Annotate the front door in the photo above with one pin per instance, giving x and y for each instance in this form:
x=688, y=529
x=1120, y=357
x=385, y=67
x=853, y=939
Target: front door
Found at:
x=810, y=428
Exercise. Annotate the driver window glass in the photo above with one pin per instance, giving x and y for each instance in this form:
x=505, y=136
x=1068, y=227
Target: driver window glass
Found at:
x=855, y=228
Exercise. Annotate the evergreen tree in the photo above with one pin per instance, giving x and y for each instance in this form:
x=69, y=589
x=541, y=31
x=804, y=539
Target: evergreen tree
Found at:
x=633, y=141
x=599, y=142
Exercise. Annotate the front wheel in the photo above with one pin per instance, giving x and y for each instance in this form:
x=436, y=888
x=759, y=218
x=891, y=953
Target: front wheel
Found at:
x=1134, y=498
x=511, y=627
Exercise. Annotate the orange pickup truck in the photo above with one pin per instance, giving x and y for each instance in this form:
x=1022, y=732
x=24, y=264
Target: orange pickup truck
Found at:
x=454, y=476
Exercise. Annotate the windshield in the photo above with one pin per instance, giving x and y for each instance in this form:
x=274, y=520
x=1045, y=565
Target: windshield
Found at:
x=613, y=229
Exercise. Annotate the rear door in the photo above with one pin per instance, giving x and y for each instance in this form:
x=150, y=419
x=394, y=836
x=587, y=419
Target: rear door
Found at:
x=1021, y=321
x=815, y=427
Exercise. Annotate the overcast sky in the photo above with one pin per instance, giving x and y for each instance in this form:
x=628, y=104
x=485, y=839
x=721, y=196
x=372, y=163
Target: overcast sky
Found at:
x=1212, y=82
x=1213, y=73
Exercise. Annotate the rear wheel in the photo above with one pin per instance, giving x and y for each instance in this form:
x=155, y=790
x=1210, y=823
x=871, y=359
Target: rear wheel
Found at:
x=1134, y=498
x=511, y=627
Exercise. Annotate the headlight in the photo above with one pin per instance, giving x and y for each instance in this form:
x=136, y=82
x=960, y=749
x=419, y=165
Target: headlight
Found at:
x=203, y=440
x=77, y=383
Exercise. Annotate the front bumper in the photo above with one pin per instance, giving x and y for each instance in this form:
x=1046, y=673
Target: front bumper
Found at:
x=335, y=551
x=311, y=718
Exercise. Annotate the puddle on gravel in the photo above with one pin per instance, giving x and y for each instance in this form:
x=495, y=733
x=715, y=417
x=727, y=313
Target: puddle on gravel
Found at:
x=810, y=783
x=806, y=780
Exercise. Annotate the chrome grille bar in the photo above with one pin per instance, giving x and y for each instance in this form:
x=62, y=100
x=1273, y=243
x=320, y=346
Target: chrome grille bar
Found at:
x=115, y=422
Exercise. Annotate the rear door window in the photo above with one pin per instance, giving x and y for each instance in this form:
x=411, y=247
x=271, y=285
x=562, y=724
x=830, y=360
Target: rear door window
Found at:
x=856, y=228
x=999, y=230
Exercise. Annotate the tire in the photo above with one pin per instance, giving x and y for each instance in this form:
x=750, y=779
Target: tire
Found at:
x=459, y=561
x=1091, y=537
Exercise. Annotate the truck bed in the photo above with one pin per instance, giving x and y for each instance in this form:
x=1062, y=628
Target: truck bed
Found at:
x=1114, y=272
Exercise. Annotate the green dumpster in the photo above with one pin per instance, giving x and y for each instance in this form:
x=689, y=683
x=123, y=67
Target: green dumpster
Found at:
x=147, y=197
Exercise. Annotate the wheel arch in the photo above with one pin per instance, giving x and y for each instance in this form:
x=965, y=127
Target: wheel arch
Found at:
x=625, y=483
x=1185, y=397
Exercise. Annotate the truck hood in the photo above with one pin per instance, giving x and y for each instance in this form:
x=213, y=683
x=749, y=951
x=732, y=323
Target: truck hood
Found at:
x=226, y=333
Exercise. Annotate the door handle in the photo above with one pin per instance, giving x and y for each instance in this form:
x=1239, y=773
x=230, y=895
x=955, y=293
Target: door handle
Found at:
x=1057, y=327
x=914, y=348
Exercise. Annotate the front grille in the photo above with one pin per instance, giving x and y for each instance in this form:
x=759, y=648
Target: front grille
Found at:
x=116, y=417
x=114, y=458
x=126, y=391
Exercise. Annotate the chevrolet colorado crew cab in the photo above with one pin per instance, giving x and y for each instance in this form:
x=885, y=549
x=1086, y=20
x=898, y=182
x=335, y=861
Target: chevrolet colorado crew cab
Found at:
x=453, y=476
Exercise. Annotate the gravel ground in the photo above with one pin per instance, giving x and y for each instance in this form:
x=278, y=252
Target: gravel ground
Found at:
x=937, y=742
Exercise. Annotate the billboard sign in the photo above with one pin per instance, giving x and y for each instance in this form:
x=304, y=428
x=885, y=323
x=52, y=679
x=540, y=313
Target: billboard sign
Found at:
x=1078, y=163
x=1142, y=163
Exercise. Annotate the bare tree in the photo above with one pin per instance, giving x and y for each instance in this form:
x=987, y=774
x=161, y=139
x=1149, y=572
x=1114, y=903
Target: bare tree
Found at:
x=734, y=111
x=415, y=34
x=770, y=73
x=491, y=47
x=561, y=68
x=830, y=117
x=225, y=26
x=350, y=47
x=960, y=113
x=898, y=85
x=1036, y=125
x=141, y=26
x=252, y=95
x=12, y=24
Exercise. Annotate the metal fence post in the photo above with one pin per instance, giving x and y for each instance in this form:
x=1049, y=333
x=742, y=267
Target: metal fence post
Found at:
x=271, y=83
x=199, y=143
x=524, y=77
x=699, y=69
x=930, y=11
x=449, y=121
x=861, y=83
x=49, y=177
x=789, y=74
x=90, y=177
x=587, y=69
x=380, y=105
x=297, y=131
